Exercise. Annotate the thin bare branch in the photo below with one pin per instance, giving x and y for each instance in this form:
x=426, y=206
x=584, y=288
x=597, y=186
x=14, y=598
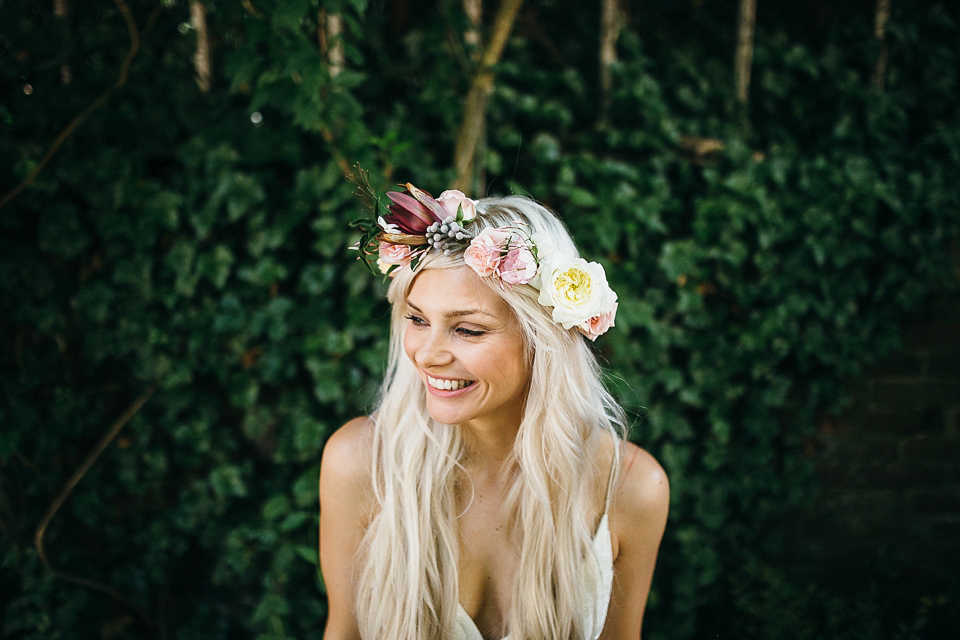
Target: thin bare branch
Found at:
x=68, y=489
x=83, y=115
x=61, y=10
x=744, y=55
x=610, y=23
x=335, y=39
x=252, y=10
x=474, y=113
x=330, y=40
x=113, y=593
x=474, y=41
x=700, y=149
x=880, y=18
x=201, y=58
x=341, y=161
x=474, y=11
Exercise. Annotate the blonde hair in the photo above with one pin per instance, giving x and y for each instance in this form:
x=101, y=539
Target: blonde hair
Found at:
x=407, y=582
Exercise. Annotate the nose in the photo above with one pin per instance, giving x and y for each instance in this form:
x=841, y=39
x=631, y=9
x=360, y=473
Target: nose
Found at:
x=433, y=351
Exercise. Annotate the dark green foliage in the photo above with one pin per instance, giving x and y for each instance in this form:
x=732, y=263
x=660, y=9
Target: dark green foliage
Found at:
x=174, y=241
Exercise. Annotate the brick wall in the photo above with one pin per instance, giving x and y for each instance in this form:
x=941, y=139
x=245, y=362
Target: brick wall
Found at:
x=888, y=510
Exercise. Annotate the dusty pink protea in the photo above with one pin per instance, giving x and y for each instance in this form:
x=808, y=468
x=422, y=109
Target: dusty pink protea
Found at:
x=414, y=211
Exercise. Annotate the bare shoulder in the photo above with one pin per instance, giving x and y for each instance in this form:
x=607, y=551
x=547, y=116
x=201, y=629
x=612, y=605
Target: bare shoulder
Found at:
x=345, y=465
x=638, y=517
x=350, y=443
x=643, y=482
x=346, y=501
x=642, y=499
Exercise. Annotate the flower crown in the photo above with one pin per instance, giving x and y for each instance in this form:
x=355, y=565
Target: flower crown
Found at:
x=576, y=291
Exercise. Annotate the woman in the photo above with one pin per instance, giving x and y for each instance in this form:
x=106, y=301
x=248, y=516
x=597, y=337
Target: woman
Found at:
x=491, y=493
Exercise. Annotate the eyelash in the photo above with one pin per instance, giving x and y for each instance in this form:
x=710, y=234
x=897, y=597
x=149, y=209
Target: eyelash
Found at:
x=419, y=322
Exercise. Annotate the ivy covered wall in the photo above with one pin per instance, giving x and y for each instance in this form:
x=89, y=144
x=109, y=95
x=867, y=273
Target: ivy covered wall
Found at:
x=182, y=324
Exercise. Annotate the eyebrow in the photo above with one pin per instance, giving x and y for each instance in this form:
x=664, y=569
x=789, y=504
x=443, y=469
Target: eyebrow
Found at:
x=457, y=313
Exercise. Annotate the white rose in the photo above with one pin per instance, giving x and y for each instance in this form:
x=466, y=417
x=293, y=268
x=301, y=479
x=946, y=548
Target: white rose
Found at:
x=453, y=199
x=577, y=290
x=546, y=252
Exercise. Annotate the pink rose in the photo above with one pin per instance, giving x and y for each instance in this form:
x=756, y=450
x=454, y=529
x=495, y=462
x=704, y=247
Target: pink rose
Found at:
x=391, y=254
x=598, y=325
x=452, y=199
x=485, y=251
x=394, y=253
x=518, y=266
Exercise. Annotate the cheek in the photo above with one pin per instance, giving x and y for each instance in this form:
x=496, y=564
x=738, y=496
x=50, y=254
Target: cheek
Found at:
x=409, y=343
x=513, y=365
x=523, y=374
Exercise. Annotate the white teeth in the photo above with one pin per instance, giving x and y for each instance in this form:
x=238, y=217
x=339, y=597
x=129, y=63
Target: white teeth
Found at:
x=447, y=385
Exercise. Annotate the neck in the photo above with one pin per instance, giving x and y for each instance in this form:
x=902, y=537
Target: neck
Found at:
x=488, y=444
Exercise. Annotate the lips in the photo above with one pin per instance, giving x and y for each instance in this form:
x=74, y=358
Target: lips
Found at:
x=444, y=384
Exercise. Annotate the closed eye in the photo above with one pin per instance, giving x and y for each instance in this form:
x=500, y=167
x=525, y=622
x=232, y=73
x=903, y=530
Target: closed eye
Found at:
x=416, y=321
x=470, y=332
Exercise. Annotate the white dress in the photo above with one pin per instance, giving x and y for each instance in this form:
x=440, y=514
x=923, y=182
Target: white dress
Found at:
x=595, y=614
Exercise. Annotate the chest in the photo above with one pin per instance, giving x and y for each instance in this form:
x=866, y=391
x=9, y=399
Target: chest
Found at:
x=490, y=547
x=489, y=556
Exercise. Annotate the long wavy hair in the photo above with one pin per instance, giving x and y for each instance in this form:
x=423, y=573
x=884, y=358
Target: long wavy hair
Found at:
x=407, y=582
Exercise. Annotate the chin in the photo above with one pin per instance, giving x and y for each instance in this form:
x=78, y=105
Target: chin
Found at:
x=445, y=417
x=443, y=413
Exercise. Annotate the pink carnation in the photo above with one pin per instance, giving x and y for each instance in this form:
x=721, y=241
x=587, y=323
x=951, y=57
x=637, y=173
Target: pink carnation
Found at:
x=598, y=325
x=518, y=266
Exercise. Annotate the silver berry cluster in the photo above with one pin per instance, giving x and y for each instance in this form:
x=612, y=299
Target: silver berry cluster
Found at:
x=446, y=235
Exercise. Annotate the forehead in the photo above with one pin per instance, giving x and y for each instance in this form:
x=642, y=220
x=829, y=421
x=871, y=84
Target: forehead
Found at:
x=455, y=290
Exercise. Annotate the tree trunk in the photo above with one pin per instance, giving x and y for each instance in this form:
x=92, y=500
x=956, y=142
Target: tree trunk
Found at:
x=201, y=58
x=610, y=23
x=61, y=10
x=474, y=111
x=330, y=40
x=330, y=35
x=474, y=11
x=744, y=56
x=880, y=18
x=335, y=35
x=474, y=41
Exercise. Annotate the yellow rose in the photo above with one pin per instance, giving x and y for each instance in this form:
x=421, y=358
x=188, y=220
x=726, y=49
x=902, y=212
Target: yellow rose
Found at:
x=577, y=290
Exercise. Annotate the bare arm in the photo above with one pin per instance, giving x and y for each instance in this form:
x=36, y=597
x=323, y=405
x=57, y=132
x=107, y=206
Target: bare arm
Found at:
x=345, y=508
x=637, y=520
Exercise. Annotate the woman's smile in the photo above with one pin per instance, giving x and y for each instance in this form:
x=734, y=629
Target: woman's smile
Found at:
x=443, y=384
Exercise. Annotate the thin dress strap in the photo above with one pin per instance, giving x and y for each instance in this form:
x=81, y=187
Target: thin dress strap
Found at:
x=614, y=466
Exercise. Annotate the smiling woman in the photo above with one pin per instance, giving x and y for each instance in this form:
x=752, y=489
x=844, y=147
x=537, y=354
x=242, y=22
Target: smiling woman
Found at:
x=491, y=493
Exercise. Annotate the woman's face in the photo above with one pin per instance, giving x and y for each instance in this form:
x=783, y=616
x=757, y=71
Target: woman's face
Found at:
x=467, y=346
